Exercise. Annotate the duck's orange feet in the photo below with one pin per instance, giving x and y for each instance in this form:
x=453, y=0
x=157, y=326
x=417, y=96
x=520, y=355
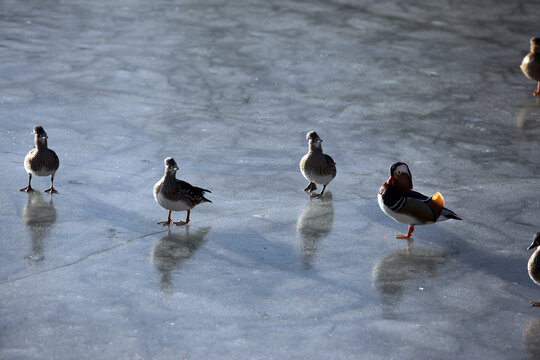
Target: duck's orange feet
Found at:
x=318, y=196
x=408, y=235
x=167, y=222
x=180, y=223
x=311, y=187
x=537, y=91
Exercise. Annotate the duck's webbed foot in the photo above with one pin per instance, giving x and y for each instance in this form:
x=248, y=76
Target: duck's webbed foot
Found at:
x=537, y=91
x=311, y=187
x=318, y=196
x=180, y=223
x=406, y=236
x=28, y=188
x=166, y=222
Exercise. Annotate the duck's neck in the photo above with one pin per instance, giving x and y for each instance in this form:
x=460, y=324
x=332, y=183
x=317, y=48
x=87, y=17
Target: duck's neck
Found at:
x=40, y=144
x=535, y=45
x=404, y=185
x=315, y=147
x=168, y=176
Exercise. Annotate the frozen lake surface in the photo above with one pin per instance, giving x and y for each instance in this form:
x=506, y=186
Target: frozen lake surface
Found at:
x=229, y=89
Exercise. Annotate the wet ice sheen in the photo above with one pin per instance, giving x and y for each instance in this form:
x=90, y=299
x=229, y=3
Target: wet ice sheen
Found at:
x=229, y=89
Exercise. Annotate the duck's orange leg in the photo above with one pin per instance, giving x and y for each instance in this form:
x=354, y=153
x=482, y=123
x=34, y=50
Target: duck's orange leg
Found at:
x=180, y=223
x=28, y=188
x=408, y=235
x=537, y=92
x=51, y=190
x=168, y=222
x=311, y=187
x=318, y=196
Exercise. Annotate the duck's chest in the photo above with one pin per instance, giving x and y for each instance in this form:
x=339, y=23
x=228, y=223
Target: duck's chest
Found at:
x=315, y=168
x=531, y=66
x=534, y=266
x=174, y=205
x=41, y=163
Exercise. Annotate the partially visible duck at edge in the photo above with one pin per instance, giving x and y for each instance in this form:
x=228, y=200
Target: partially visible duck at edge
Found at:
x=533, y=266
x=531, y=64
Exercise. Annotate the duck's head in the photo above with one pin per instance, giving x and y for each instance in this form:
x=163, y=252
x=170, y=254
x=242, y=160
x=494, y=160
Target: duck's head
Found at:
x=536, y=241
x=40, y=134
x=313, y=139
x=535, y=45
x=400, y=177
x=170, y=165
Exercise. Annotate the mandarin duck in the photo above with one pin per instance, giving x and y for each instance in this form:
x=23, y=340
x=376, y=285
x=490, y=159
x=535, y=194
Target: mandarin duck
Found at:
x=398, y=200
x=533, y=266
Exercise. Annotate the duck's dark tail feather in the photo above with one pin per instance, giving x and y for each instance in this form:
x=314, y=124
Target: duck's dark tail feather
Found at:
x=447, y=213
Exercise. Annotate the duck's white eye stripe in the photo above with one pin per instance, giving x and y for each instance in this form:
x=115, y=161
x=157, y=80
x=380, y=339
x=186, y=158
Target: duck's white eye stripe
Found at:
x=402, y=169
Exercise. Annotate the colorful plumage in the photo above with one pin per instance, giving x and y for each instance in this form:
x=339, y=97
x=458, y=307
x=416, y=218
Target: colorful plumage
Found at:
x=398, y=200
x=533, y=266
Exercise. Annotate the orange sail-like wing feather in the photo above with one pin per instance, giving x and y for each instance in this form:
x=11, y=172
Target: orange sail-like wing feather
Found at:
x=436, y=203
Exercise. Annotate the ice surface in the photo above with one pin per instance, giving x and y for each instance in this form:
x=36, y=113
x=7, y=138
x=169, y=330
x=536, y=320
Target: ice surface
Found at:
x=229, y=89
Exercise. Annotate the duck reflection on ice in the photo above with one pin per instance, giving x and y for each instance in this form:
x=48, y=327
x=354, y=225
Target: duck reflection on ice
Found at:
x=38, y=216
x=531, y=340
x=401, y=268
x=528, y=117
x=314, y=223
x=173, y=249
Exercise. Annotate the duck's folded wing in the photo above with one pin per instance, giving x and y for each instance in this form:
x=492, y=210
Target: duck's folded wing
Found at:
x=419, y=209
x=418, y=196
x=187, y=192
x=329, y=160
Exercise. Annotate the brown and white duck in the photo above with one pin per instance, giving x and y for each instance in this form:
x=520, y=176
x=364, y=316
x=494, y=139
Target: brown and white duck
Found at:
x=533, y=266
x=41, y=161
x=177, y=195
x=317, y=168
x=398, y=200
x=531, y=64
